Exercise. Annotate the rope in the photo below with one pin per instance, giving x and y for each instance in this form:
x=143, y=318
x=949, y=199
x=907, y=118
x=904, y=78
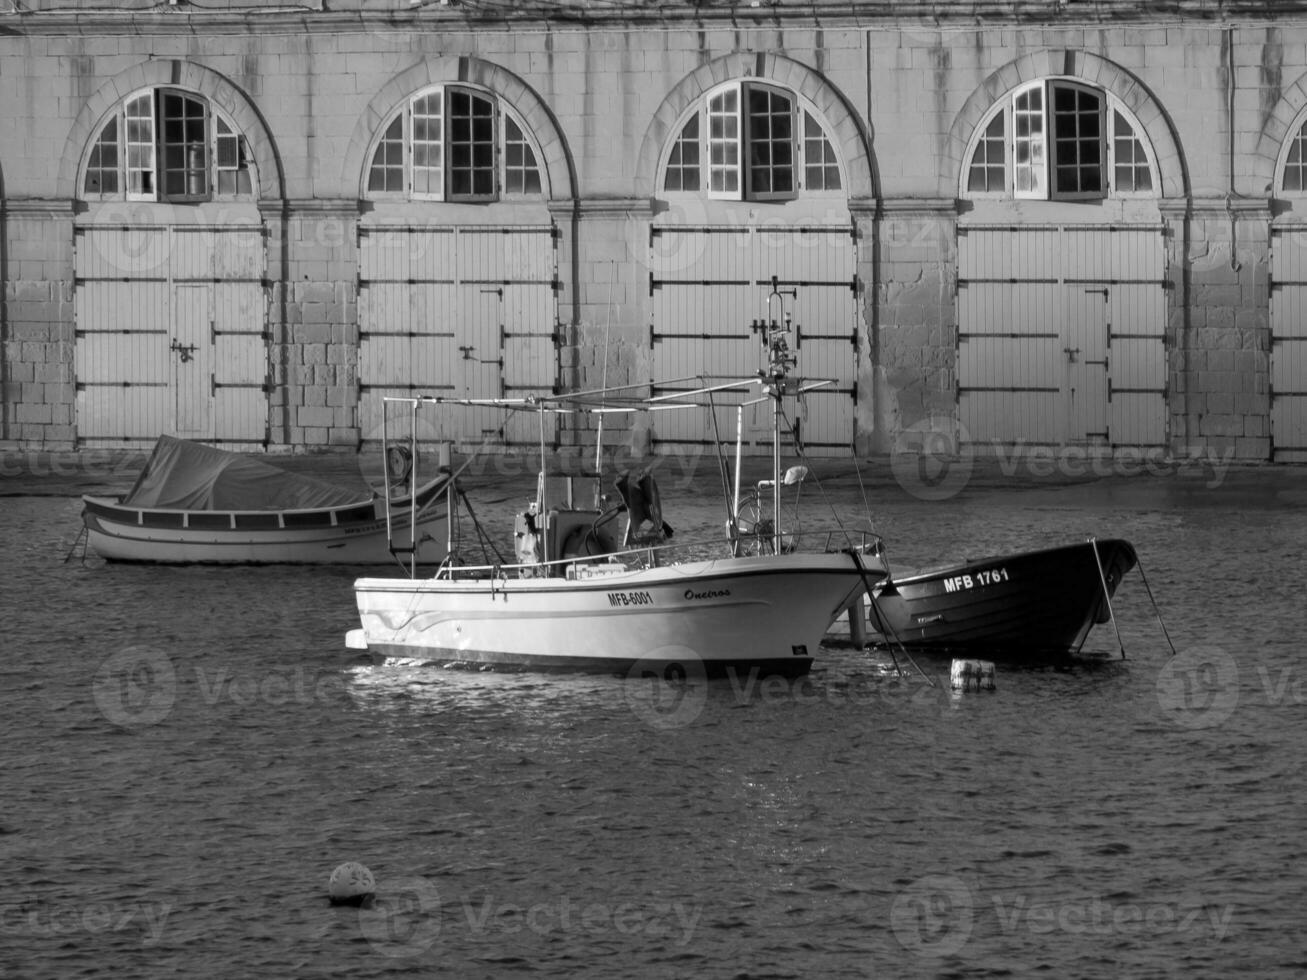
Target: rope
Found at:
x=893, y=637
x=81, y=535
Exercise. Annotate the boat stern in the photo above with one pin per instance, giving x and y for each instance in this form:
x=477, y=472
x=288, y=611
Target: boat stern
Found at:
x=356, y=639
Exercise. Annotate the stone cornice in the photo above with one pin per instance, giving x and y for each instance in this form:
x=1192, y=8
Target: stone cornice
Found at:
x=934, y=207
x=345, y=207
x=602, y=207
x=1207, y=207
x=61, y=17
x=34, y=207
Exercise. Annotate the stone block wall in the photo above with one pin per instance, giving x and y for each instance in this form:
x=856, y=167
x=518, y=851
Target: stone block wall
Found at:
x=1219, y=334
x=1218, y=101
x=912, y=316
x=36, y=260
x=313, y=322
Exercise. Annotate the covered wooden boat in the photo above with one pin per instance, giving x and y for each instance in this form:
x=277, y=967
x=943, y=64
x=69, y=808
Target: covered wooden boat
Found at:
x=195, y=503
x=1025, y=605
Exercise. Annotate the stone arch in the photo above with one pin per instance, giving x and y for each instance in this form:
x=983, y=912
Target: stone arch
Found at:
x=180, y=74
x=557, y=160
x=852, y=140
x=1086, y=67
x=1276, y=130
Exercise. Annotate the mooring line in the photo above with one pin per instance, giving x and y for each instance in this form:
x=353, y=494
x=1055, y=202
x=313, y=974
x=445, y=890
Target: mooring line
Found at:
x=892, y=635
x=76, y=541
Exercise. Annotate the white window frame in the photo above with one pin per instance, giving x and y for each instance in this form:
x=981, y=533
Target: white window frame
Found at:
x=500, y=110
x=737, y=142
x=149, y=147
x=410, y=142
x=1109, y=105
x=529, y=141
x=149, y=161
x=1282, y=160
x=730, y=143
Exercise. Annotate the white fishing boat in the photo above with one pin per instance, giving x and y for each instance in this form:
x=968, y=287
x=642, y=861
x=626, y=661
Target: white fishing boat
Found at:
x=579, y=597
x=198, y=504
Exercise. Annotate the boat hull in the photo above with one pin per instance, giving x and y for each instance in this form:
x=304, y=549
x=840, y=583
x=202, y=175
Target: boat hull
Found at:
x=765, y=614
x=351, y=535
x=1022, y=606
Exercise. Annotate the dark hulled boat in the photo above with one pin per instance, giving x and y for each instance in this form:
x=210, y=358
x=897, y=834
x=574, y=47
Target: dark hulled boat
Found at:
x=1026, y=605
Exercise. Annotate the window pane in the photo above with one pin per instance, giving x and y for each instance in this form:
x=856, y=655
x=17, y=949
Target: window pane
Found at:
x=232, y=161
x=1077, y=144
x=102, y=168
x=471, y=141
x=683, y=164
x=821, y=170
x=723, y=142
x=139, y=117
x=184, y=147
x=771, y=150
x=1028, y=174
x=1295, y=166
x=387, y=172
x=988, y=171
x=521, y=175
x=427, y=145
x=1132, y=173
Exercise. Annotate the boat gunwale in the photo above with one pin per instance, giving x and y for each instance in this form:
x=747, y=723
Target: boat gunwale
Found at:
x=1118, y=546
x=489, y=575
x=108, y=507
x=871, y=542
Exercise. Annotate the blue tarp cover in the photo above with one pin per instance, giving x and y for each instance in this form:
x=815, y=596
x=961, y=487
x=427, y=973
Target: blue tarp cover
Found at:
x=183, y=475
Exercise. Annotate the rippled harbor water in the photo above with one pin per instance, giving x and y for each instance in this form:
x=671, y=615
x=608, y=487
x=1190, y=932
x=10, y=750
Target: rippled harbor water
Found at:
x=188, y=753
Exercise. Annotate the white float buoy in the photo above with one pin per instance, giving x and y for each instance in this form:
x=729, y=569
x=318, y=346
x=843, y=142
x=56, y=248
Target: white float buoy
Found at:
x=351, y=884
x=972, y=675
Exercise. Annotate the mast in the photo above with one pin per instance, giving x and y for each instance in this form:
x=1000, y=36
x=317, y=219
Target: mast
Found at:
x=779, y=362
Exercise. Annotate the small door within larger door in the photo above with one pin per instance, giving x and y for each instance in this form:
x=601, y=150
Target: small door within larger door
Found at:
x=191, y=348
x=1084, y=347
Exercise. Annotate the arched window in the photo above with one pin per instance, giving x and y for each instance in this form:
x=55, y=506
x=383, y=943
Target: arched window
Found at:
x=1292, y=167
x=454, y=143
x=165, y=144
x=1058, y=139
x=751, y=141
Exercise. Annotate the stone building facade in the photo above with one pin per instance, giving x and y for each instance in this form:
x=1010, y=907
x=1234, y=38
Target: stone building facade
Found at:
x=1061, y=224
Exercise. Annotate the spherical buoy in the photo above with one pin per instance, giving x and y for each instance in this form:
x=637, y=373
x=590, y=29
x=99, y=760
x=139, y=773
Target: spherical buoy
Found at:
x=351, y=884
x=972, y=675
